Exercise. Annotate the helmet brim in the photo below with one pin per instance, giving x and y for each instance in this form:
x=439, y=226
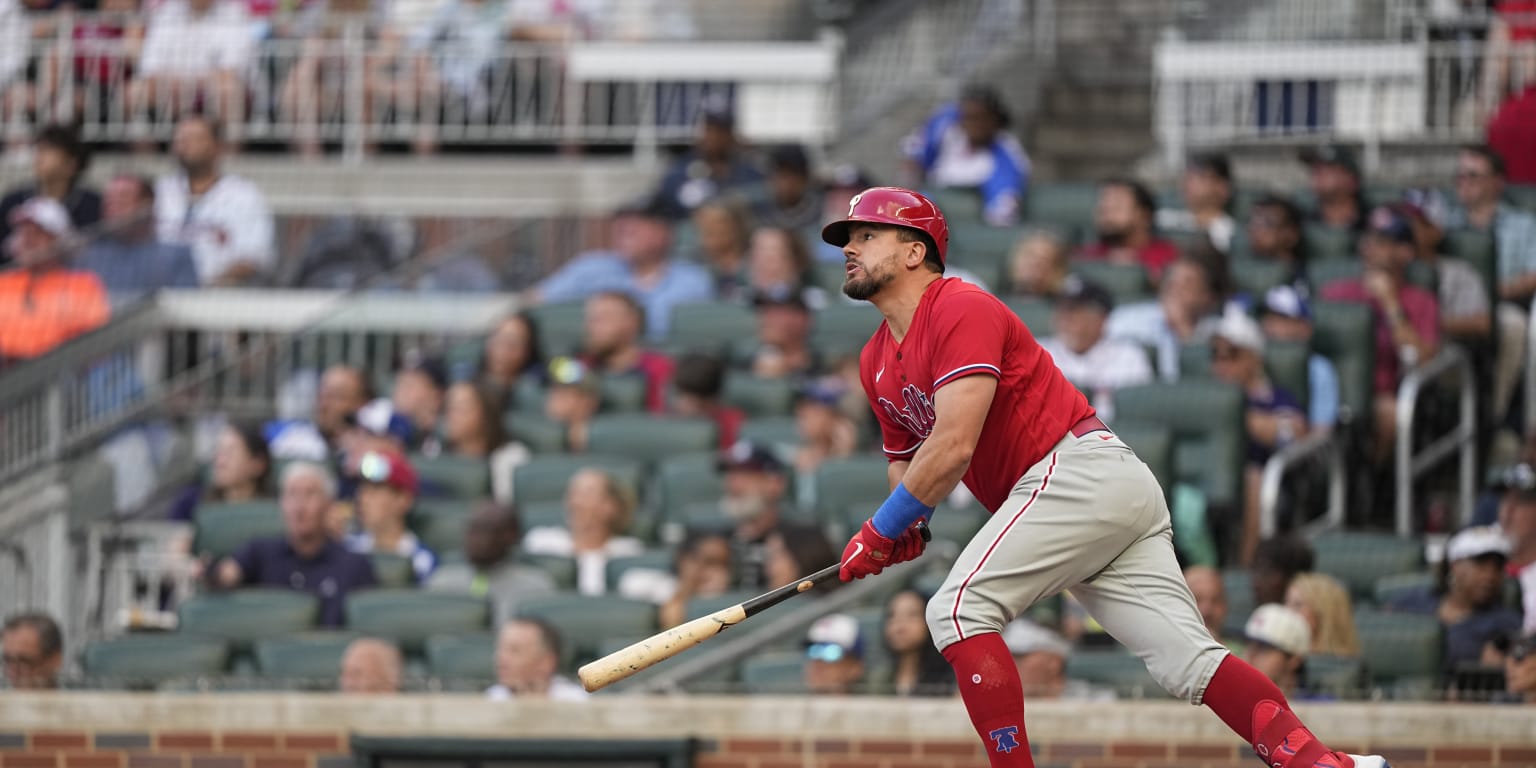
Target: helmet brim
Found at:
x=836, y=233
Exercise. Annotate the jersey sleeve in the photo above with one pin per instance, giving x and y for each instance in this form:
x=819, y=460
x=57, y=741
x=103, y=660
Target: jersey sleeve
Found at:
x=896, y=442
x=968, y=333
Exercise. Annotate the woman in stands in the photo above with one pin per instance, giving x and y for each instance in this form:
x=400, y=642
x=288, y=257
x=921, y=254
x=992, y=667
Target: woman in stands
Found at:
x=472, y=428
x=598, y=513
x=240, y=471
x=512, y=355
x=723, y=233
x=918, y=669
x=703, y=567
x=778, y=263
x=794, y=550
x=1324, y=602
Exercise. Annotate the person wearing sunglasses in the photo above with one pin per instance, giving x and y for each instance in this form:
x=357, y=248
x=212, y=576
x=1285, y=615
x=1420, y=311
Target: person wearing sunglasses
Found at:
x=834, y=655
x=385, y=495
x=1520, y=668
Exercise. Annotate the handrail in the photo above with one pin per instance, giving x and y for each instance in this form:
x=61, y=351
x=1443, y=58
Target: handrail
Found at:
x=1316, y=444
x=1451, y=360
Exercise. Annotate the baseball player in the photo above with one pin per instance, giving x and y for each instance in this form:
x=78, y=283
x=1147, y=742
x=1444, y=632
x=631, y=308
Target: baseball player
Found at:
x=963, y=392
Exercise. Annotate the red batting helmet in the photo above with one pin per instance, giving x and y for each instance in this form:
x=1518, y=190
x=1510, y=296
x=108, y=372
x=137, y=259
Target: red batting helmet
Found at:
x=897, y=207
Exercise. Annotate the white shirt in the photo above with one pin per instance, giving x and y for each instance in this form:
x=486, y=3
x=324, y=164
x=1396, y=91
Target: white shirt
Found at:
x=591, y=567
x=1104, y=368
x=504, y=462
x=230, y=224
x=180, y=44
x=13, y=40
x=560, y=689
x=1527, y=579
x=1220, y=230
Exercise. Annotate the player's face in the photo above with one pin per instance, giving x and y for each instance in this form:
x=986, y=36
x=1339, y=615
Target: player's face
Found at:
x=871, y=258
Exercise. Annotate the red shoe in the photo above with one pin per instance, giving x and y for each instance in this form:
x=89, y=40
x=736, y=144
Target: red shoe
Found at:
x=1296, y=747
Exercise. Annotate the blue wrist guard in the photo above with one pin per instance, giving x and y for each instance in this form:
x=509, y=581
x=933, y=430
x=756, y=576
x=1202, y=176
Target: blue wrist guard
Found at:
x=900, y=510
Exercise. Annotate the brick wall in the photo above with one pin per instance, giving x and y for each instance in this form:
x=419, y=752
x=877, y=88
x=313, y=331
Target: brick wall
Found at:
x=173, y=749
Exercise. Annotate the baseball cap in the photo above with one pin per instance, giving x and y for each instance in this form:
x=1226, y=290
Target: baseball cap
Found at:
x=1477, y=541
x=379, y=418
x=1286, y=301
x=570, y=372
x=1428, y=204
x=1281, y=628
x=1023, y=636
x=1514, y=477
x=833, y=638
x=1331, y=154
x=46, y=213
x=1240, y=330
x=751, y=456
x=1076, y=290
x=1391, y=223
x=388, y=468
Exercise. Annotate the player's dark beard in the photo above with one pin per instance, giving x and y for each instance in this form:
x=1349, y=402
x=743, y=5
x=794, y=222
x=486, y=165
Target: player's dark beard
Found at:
x=864, y=289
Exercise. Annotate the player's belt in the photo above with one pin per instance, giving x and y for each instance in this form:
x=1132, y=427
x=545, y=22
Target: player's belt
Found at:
x=1088, y=426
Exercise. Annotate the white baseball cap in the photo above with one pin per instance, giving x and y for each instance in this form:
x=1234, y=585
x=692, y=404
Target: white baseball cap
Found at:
x=1024, y=636
x=1240, y=330
x=46, y=213
x=834, y=637
x=1279, y=627
x=1476, y=542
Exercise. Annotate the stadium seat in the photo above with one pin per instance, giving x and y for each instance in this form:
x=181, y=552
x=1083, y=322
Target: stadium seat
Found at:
x=1399, y=647
x=1206, y=418
x=1382, y=194
x=1522, y=195
x=440, y=523
x=983, y=250
x=538, y=433
x=1067, y=206
x=840, y=329
x=309, y=661
x=561, y=570
x=704, y=606
x=1153, y=444
x=957, y=525
x=1389, y=589
x=543, y=478
x=781, y=672
x=960, y=206
x=710, y=326
x=1358, y=559
x=1238, y=584
x=1345, y=334
x=408, y=616
x=454, y=477
x=1477, y=248
x=145, y=662
x=1339, y=676
x=538, y=514
x=651, y=559
x=1126, y=282
x=221, y=528
x=759, y=397
x=1286, y=363
x=560, y=325
x=393, y=571
x=527, y=396
x=682, y=480
x=1323, y=243
x=1115, y=668
x=1256, y=276
x=623, y=394
x=584, y=621
x=856, y=481
x=1035, y=312
x=647, y=438
x=781, y=432
x=242, y=615
x=462, y=662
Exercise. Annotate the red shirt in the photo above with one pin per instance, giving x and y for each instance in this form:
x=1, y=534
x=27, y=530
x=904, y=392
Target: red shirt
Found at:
x=1512, y=133
x=960, y=330
x=1154, y=257
x=1419, y=306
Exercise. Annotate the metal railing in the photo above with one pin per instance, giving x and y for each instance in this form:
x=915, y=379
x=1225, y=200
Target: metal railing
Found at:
x=1322, y=446
x=1453, y=365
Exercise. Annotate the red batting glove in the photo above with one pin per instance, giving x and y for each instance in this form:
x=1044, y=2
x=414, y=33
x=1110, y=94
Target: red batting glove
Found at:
x=867, y=553
x=909, y=545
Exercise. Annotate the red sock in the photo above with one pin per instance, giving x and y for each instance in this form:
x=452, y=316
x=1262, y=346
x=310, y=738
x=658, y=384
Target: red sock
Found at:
x=994, y=697
x=1253, y=706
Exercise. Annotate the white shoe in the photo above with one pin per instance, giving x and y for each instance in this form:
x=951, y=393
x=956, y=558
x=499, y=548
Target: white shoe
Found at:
x=1370, y=761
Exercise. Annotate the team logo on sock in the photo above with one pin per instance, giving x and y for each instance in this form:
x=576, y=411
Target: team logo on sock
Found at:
x=1005, y=738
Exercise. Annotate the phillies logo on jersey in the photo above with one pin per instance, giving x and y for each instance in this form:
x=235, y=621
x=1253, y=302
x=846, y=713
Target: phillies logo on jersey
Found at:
x=916, y=412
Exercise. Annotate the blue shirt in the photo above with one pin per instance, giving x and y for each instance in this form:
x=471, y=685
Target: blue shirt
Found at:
x=1273, y=400
x=1465, y=639
x=999, y=171
x=329, y=575
x=689, y=183
x=128, y=269
x=1146, y=323
x=592, y=273
x=1323, y=389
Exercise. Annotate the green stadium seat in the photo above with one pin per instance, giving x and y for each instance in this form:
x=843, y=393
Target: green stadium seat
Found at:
x=561, y=570
x=704, y=606
x=440, y=523
x=1067, y=206
x=623, y=394
x=1477, y=248
x=541, y=435
x=957, y=525
x=781, y=672
x=682, y=480
x=1338, y=676
x=853, y=482
x=841, y=329
x=1256, y=276
x=308, y=661
x=1206, y=417
x=1382, y=194
x=146, y=662
x=651, y=559
x=1323, y=243
x=540, y=514
x=561, y=326
x=584, y=621
x=393, y=571
x=983, y=250
x=543, y=478
x=1286, y=362
x=1522, y=196
x=1035, y=312
x=1358, y=559
x=1238, y=584
x=1389, y=589
x=702, y=515
x=961, y=206
x=1345, y=334
x=1329, y=270
x=759, y=397
x=1128, y=283
x=462, y=662
x=710, y=326
x=782, y=432
x=1153, y=444
x=1399, y=647
x=457, y=477
x=221, y=528
x=527, y=396
x=408, y=616
x=1115, y=668
x=646, y=438
x=242, y=615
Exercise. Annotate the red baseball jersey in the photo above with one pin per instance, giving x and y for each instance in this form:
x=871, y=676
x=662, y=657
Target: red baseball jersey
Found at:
x=960, y=330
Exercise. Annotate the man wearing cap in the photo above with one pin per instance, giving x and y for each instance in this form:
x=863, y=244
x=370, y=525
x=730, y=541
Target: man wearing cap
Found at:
x=967, y=145
x=613, y=322
x=716, y=164
x=385, y=495
x=755, y=485
x=699, y=382
x=834, y=655
x=1407, y=316
x=44, y=302
x=59, y=161
x=1207, y=190
x=1468, y=595
x=1286, y=316
x=1335, y=179
x=783, y=336
x=1274, y=416
x=792, y=199
x=1278, y=642
x=1084, y=354
x=1517, y=521
x=572, y=400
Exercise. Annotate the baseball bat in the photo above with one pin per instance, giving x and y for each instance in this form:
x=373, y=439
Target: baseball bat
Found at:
x=627, y=661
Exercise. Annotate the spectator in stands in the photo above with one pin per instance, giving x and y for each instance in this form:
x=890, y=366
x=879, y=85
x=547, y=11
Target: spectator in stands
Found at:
x=371, y=666
x=419, y=395
x=59, y=161
x=1324, y=603
x=195, y=52
x=783, y=336
x=700, y=383
x=611, y=346
x=1041, y=654
x=1407, y=316
x=967, y=145
x=1039, y=265
x=1088, y=358
x=1467, y=596
x=1192, y=290
x=639, y=264
x=756, y=485
x=375, y=427
x=527, y=658
x=917, y=668
x=1279, y=640
x=241, y=471
x=1480, y=178
x=703, y=567
x=793, y=550
x=717, y=164
x=1274, y=234
x=572, y=400
x=598, y=513
x=779, y=264
x=1207, y=189
x=723, y=236
x=129, y=258
x=33, y=649
x=825, y=430
x=322, y=27
x=1276, y=563
x=223, y=217
x=1210, y=594
x=1517, y=519
x=512, y=354
x=43, y=301
x=14, y=30
x=1520, y=668
x=305, y=558
x=1464, y=307
x=490, y=567
x=793, y=200
x=1274, y=417
x=1286, y=316
x=344, y=390
x=1123, y=220
x=1336, y=188
x=473, y=428
x=385, y=497
x=834, y=656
